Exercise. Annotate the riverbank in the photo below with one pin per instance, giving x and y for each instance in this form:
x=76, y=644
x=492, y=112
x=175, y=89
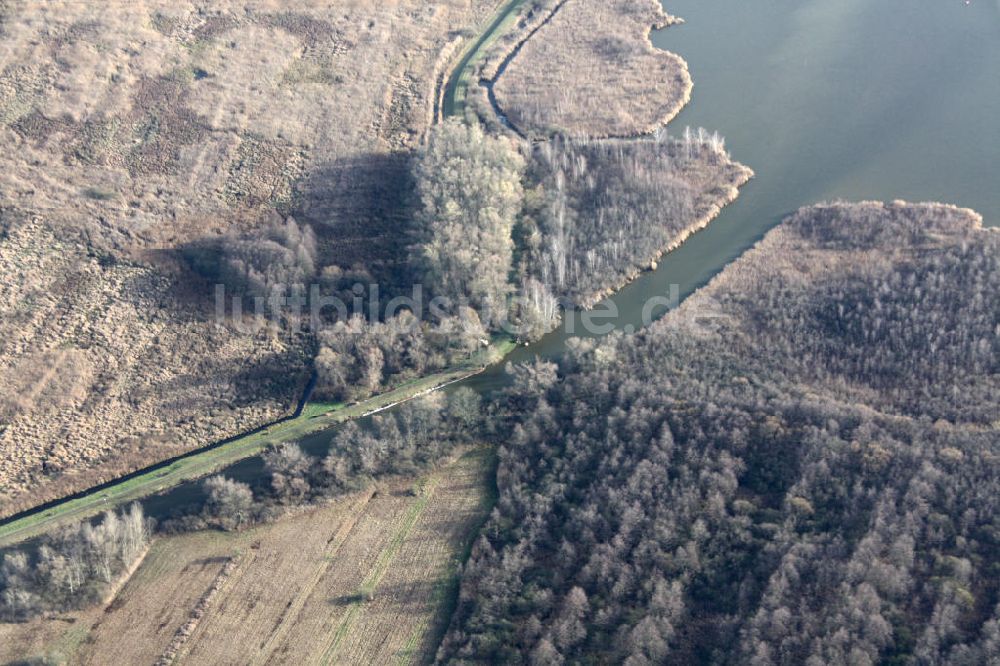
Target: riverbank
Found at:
x=707, y=207
x=314, y=418
x=454, y=88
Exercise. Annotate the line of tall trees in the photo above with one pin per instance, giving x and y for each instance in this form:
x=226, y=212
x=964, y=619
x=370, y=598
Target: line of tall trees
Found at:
x=72, y=567
x=805, y=477
x=470, y=195
x=405, y=441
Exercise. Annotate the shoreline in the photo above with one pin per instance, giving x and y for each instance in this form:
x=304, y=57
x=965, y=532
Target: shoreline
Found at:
x=494, y=66
x=711, y=210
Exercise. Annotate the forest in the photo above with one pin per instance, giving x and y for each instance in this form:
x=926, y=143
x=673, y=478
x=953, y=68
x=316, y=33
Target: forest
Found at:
x=599, y=211
x=800, y=465
x=72, y=567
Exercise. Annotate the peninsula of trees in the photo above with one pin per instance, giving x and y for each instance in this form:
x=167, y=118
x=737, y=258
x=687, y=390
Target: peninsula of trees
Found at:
x=505, y=234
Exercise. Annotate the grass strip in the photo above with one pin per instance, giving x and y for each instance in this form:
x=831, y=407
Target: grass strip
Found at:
x=457, y=86
x=314, y=418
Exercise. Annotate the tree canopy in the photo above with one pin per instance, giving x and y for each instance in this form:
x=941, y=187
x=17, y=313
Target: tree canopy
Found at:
x=470, y=194
x=800, y=465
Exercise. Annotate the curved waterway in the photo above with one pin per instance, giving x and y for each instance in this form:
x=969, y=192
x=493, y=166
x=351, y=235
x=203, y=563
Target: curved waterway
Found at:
x=824, y=99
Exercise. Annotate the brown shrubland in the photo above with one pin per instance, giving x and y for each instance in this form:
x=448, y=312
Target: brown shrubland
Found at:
x=133, y=132
x=590, y=70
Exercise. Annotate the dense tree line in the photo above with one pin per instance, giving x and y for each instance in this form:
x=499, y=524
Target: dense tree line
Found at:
x=779, y=472
x=72, y=567
x=600, y=210
x=469, y=190
x=404, y=441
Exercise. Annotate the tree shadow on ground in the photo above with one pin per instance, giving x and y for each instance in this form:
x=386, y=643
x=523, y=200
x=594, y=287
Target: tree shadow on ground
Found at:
x=361, y=209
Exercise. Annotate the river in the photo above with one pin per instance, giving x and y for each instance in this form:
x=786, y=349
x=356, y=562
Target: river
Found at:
x=824, y=99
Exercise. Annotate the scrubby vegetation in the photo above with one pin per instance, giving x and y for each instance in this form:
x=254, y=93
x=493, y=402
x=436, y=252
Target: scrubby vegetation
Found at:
x=358, y=358
x=403, y=442
x=590, y=71
x=273, y=260
x=72, y=567
x=798, y=466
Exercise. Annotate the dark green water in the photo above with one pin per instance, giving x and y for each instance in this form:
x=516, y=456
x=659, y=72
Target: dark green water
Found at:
x=824, y=99
x=853, y=99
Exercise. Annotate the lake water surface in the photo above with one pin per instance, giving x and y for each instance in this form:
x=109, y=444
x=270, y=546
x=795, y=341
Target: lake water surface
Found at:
x=824, y=99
